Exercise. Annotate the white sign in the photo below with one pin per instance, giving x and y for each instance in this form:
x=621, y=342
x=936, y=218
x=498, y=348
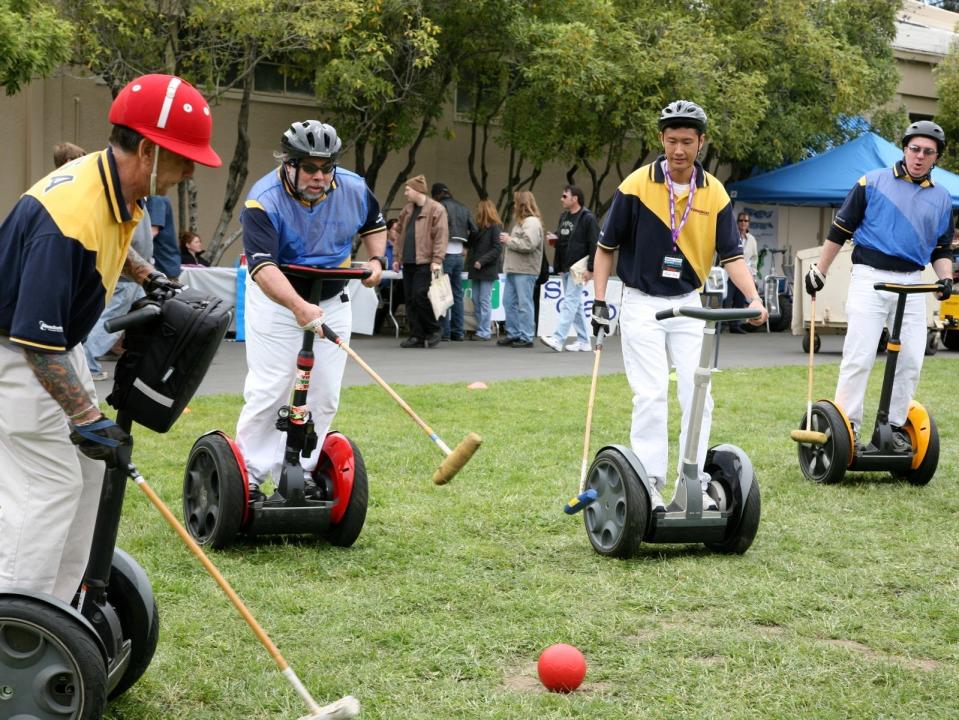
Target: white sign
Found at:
x=551, y=297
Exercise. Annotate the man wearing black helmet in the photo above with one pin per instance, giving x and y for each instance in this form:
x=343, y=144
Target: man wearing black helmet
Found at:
x=898, y=220
x=668, y=220
x=305, y=212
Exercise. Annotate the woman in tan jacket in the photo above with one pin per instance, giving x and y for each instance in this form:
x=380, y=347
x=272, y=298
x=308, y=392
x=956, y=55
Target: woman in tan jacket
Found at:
x=522, y=259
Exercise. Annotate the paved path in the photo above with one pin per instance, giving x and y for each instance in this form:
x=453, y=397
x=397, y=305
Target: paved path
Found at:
x=470, y=361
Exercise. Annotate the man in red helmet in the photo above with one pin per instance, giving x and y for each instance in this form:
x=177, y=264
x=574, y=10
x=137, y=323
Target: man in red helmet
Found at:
x=68, y=240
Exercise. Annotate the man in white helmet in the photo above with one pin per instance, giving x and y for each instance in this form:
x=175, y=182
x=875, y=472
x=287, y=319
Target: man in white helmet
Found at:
x=70, y=233
x=305, y=212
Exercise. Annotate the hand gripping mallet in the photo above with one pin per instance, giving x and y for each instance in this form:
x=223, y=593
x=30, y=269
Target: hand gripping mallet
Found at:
x=809, y=435
x=456, y=458
x=346, y=707
x=585, y=496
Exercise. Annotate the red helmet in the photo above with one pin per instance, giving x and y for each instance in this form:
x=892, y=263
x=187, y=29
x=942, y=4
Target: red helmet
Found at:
x=170, y=112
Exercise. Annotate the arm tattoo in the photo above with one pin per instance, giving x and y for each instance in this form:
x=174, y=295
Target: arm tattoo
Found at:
x=59, y=378
x=136, y=267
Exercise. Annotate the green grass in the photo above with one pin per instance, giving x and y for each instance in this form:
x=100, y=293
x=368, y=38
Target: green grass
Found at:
x=844, y=607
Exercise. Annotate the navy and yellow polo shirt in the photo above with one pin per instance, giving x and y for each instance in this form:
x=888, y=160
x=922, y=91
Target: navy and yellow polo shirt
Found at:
x=62, y=248
x=638, y=226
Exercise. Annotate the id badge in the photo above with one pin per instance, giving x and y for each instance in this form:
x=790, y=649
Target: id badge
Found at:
x=672, y=267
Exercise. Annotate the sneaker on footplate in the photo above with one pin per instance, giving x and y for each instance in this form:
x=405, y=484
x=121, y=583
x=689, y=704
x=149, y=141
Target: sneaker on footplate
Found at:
x=708, y=502
x=256, y=495
x=551, y=342
x=579, y=346
x=656, y=502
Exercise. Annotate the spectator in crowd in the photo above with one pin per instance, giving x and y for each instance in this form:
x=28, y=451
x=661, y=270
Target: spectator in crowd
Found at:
x=575, y=239
x=389, y=288
x=461, y=229
x=166, y=249
x=522, y=263
x=70, y=236
x=191, y=249
x=65, y=152
x=304, y=212
x=482, y=262
x=751, y=257
x=419, y=239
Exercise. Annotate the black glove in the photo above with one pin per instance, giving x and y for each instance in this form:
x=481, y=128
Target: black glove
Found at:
x=103, y=440
x=600, y=317
x=945, y=289
x=815, y=280
x=159, y=284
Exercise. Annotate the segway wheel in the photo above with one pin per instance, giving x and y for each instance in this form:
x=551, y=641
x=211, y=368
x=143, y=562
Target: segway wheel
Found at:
x=950, y=339
x=346, y=531
x=139, y=618
x=827, y=462
x=932, y=342
x=922, y=474
x=740, y=536
x=51, y=667
x=213, y=492
x=616, y=521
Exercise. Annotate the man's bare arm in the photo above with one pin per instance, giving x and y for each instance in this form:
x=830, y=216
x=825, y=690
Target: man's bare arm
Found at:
x=56, y=374
x=135, y=267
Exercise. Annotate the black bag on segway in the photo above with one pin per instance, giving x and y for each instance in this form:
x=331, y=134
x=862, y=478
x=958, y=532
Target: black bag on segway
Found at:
x=165, y=360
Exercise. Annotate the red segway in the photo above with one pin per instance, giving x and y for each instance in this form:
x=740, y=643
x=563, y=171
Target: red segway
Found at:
x=329, y=501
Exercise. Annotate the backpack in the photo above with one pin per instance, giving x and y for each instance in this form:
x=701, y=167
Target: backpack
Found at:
x=165, y=359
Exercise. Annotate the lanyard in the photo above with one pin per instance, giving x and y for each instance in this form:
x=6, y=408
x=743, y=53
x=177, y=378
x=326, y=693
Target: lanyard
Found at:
x=672, y=203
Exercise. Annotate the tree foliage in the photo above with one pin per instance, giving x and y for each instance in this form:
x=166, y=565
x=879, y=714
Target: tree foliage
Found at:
x=34, y=39
x=947, y=83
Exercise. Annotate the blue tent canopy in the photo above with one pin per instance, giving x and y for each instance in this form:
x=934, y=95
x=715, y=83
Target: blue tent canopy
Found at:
x=825, y=180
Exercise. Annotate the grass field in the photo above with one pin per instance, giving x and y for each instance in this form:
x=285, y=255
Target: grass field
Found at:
x=844, y=607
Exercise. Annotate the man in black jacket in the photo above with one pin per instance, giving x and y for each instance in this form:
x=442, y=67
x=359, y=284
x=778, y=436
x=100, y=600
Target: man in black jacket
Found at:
x=461, y=228
x=575, y=239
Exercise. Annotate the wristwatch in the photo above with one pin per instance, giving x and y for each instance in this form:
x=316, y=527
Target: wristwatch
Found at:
x=383, y=262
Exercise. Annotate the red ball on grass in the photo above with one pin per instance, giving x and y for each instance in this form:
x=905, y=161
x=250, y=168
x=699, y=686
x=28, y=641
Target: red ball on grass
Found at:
x=561, y=668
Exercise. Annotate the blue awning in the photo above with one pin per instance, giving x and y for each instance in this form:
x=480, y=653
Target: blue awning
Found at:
x=826, y=179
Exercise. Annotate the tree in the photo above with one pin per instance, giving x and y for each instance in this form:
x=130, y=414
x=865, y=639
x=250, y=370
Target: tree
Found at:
x=947, y=83
x=35, y=41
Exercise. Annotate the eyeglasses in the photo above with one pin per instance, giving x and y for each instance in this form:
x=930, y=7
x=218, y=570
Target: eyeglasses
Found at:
x=745, y=220
x=925, y=151
x=312, y=168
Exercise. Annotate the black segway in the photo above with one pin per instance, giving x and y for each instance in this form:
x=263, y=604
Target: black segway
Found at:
x=329, y=502
x=60, y=661
x=827, y=461
x=620, y=517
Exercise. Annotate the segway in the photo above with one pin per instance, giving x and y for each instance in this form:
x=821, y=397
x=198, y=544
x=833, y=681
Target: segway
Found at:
x=60, y=660
x=827, y=462
x=619, y=519
x=329, y=501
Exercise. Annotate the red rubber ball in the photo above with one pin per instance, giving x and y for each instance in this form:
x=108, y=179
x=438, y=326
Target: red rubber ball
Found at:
x=561, y=668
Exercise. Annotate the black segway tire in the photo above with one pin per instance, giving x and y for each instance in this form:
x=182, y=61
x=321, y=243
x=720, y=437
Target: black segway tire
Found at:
x=785, y=318
x=51, y=666
x=347, y=530
x=616, y=521
x=213, y=492
x=825, y=463
x=950, y=339
x=932, y=342
x=930, y=461
x=139, y=618
x=740, y=536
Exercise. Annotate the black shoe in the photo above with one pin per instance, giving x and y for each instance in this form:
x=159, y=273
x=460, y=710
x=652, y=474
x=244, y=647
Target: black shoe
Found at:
x=477, y=338
x=255, y=494
x=900, y=441
x=433, y=340
x=738, y=329
x=445, y=338
x=506, y=341
x=411, y=342
x=456, y=338
x=521, y=343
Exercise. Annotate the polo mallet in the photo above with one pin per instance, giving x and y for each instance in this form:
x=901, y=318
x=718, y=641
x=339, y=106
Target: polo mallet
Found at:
x=585, y=496
x=809, y=435
x=456, y=458
x=346, y=707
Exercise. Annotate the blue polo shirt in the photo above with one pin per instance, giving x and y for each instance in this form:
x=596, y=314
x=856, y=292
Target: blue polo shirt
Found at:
x=63, y=246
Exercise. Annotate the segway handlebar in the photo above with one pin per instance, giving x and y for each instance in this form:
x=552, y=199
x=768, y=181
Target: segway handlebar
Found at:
x=314, y=273
x=717, y=314
x=132, y=319
x=907, y=289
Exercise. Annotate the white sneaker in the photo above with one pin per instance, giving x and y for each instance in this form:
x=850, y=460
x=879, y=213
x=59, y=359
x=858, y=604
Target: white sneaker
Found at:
x=551, y=342
x=656, y=502
x=579, y=347
x=101, y=375
x=708, y=502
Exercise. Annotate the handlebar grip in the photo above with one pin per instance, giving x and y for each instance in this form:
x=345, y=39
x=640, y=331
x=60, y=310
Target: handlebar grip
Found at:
x=132, y=319
x=717, y=314
x=907, y=289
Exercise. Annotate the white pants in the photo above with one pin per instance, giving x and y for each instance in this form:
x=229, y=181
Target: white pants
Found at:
x=649, y=347
x=868, y=310
x=49, y=490
x=273, y=340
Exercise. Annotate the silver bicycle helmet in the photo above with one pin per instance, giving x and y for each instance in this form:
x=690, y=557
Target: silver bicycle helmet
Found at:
x=684, y=114
x=925, y=128
x=311, y=138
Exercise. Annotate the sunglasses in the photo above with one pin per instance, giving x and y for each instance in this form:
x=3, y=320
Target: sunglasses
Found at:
x=311, y=168
x=925, y=151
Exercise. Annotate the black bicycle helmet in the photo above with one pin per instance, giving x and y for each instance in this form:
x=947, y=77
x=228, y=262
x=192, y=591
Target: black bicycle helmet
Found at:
x=684, y=114
x=925, y=128
x=311, y=138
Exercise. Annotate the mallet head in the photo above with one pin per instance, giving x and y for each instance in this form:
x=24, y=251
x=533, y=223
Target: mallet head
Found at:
x=457, y=459
x=809, y=436
x=580, y=501
x=342, y=709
